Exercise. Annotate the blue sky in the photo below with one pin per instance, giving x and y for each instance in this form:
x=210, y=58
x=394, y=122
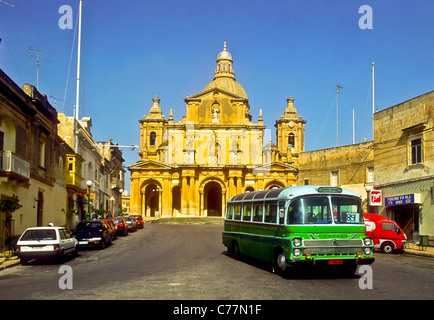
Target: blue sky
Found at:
x=135, y=50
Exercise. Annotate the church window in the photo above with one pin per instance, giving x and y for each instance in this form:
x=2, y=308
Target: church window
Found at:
x=153, y=138
x=291, y=139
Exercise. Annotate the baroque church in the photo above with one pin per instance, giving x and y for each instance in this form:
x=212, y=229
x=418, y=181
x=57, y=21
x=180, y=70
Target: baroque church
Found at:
x=192, y=167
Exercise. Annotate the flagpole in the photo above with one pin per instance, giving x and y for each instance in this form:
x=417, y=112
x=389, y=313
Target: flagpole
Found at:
x=373, y=98
x=77, y=97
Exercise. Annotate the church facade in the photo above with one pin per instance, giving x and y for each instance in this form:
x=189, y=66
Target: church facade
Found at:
x=191, y=167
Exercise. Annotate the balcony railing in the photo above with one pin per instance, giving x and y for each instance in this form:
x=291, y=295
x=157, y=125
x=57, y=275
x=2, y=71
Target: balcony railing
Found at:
x=13, y=165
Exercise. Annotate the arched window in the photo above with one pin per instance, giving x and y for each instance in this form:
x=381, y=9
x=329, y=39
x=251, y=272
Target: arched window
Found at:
x=153, y=139
x=291, y=140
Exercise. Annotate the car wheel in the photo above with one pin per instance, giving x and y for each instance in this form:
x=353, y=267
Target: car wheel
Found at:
x=387, y=247
x=102, y=244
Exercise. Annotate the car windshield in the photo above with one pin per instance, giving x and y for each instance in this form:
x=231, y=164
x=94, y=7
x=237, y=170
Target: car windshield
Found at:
x=136, y=217
x=117, y=221
x=316, y=210
x=39, y=234
x=89, y=226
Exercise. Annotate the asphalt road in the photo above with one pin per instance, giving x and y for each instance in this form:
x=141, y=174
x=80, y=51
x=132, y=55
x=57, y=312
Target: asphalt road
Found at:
x=189, y=262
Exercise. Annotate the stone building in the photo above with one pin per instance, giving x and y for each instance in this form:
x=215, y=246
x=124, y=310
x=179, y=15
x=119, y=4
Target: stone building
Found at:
x=191, y=167
x=350, y=167
x=96, y=163
x=404, y=164
x=32, y=159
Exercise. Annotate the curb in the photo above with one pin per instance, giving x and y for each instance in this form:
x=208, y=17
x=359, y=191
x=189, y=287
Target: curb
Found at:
x=419, y=253
x=9, y=263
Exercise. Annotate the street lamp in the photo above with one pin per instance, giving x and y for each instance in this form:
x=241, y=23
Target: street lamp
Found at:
x=89, y=184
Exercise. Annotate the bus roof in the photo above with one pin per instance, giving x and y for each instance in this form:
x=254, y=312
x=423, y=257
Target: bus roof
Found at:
x=289, y=193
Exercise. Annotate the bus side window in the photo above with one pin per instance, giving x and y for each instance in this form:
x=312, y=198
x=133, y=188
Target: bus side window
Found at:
x=237, y=212
x=258, y=212
x=247, y=212
x=295, y=215
x=270, y=213
x=230, y=212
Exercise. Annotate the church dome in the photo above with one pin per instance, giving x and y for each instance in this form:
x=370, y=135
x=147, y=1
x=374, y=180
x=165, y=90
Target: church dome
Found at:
x=224, y=76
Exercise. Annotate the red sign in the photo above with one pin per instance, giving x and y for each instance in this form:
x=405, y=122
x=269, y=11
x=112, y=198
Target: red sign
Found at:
x=376, y=198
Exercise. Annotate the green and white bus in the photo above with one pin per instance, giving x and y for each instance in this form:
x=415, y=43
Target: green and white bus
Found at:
x=299, y=225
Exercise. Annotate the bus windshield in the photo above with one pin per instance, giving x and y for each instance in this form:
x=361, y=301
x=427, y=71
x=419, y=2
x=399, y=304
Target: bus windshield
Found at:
x=316, y=210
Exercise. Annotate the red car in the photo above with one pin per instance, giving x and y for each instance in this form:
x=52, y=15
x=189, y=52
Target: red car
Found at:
x=139, y=220
x=112, y=226
x=120, y=225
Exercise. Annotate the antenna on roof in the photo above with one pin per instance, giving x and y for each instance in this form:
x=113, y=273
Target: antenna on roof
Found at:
x=8, y=4
x=55, y=99
x=337, y=112
x=36, y=55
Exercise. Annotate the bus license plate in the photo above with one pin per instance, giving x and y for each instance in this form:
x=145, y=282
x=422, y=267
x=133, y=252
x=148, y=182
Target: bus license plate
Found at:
x=336, y=261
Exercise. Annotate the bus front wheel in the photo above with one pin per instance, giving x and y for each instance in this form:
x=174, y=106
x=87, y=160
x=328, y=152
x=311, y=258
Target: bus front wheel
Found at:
x=279, y=262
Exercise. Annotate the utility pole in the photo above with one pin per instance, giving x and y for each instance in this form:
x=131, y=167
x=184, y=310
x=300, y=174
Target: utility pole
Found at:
x=36, y=55
x=337, y=113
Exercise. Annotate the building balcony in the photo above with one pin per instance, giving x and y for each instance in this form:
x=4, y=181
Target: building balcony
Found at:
x=14, y=167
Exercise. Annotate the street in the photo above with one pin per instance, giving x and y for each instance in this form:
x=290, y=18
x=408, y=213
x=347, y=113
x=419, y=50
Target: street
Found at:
x=189, y=262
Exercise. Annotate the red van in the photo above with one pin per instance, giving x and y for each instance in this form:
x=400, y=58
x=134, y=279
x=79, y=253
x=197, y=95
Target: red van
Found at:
x=387, y=235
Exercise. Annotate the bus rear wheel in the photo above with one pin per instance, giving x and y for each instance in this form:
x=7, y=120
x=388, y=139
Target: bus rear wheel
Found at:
x=236, y=250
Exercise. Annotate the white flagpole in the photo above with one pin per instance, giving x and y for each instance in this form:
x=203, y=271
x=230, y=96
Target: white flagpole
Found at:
x=373, y=98
x=77, y=97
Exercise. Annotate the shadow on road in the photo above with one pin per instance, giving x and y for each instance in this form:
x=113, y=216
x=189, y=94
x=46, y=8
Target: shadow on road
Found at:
x=297, y=273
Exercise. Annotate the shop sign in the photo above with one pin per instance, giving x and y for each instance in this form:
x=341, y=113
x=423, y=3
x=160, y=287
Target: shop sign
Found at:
x=376, y=198
x=403, y=199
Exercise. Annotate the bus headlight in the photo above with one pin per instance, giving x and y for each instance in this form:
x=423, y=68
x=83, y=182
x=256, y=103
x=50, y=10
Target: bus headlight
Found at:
x=296, y=253
x=367, y=241
x=296, y=242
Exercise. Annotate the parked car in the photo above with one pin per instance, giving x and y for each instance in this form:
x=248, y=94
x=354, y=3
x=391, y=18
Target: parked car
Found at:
x=387, y=235
x=120, y=225
x=131, y=223
x=139, y=220
x=94, y=233
x=45, y=242
x=112, y=226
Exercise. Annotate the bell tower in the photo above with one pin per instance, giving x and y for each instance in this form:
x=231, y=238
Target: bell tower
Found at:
x=152, y=131
x=290, y=131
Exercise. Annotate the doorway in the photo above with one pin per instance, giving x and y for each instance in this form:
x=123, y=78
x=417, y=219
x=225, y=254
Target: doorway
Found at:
x=407, y=219
x=213, y=199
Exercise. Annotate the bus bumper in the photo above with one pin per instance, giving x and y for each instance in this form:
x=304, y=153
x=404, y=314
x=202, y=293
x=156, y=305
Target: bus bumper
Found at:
x=322, y=262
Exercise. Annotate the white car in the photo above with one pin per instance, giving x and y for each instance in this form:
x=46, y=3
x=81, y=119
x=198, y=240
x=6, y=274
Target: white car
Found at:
x=45, y=242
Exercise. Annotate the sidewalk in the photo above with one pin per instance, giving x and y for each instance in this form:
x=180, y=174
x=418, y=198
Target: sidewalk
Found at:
x=415, y=250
